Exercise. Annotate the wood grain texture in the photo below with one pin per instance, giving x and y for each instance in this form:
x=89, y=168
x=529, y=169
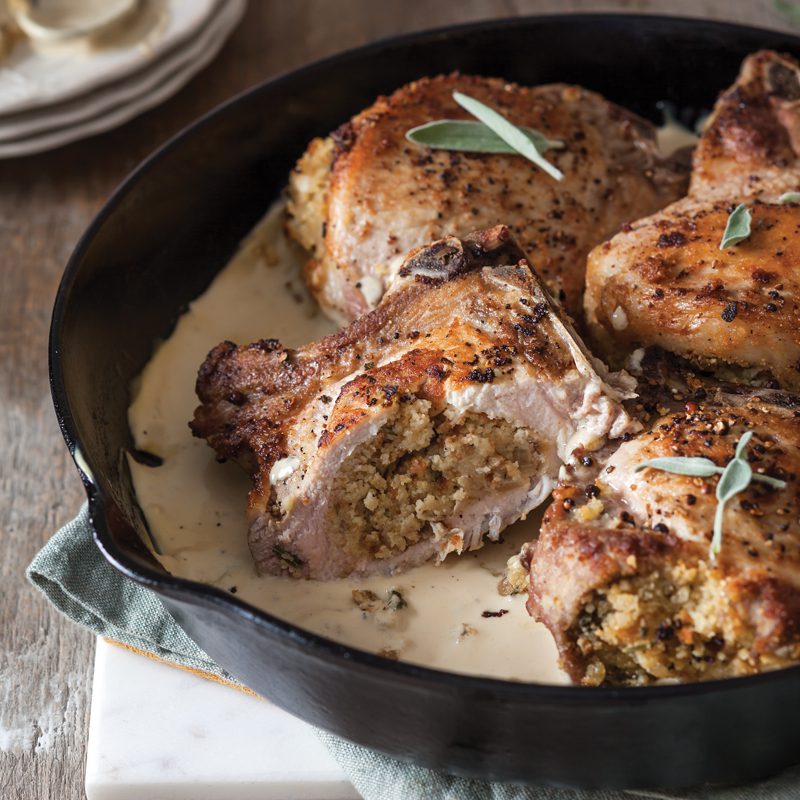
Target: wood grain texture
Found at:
x=46, y=201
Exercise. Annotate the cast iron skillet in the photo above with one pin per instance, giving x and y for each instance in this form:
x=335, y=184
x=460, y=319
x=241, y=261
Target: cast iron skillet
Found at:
x=173, y=224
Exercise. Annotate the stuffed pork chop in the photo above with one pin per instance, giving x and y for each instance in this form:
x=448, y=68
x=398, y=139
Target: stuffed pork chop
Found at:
x=624, y=573
x=363, y=197
x=430, y=423
x=667, y=282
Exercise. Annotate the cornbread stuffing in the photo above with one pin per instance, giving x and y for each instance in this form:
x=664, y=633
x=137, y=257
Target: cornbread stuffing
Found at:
x=675, y=624
x=422, y=469
x=634, y=594
x=420, y=430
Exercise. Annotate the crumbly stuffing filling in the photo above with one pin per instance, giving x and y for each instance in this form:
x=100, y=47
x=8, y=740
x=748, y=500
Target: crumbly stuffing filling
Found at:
x=422, y=469
x=678, y=624
x=308, y=196
x=516, y=578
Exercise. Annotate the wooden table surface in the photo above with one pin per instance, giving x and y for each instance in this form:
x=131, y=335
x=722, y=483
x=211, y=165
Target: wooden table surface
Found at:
x=46, y=202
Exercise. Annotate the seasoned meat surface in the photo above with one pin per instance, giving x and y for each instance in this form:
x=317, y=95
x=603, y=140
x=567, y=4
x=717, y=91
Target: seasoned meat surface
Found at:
x=362, y=198
x=435, y=420
x=666, y=283
x=622, y=575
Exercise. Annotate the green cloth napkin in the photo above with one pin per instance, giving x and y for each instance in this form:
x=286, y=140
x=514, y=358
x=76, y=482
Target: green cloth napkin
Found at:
x=79, y=582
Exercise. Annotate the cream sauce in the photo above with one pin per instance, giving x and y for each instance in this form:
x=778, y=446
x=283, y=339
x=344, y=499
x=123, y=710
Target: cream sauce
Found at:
x=195, y=507
x=672, y=136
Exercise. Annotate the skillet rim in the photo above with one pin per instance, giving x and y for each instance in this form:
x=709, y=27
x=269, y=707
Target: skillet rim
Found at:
x=203, y=594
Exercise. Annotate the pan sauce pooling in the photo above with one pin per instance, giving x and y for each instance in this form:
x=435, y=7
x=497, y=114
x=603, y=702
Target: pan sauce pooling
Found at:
x=202, y=535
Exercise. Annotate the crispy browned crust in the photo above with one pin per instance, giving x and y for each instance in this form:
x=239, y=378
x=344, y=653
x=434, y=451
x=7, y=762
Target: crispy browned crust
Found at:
x=252, y=396
x=381, y=186
x=664, y=282
x=735, y=305
x=419, y=372
x=756, y=578
x=570, y=561
x=756, y=119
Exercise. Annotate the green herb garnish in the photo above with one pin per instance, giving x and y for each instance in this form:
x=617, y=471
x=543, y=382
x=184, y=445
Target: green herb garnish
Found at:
x=738, y=227
x=683, y=465
x=734, y=478
x=495, y=135
x=474, y=137
x=789, y=197
x=789, y=10
x=507, y=131
x=288, y=558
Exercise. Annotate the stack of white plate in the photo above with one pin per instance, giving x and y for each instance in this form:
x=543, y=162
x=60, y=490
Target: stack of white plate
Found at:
x=50, y=96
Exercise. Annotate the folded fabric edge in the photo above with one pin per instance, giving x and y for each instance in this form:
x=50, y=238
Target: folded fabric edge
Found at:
x=201, y=673
x=75, y=578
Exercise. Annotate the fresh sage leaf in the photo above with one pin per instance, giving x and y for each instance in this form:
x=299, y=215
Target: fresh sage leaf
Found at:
x=716, y=539
x=742, y=444
x=737, y=228
x=696, y=467
x=472, y=137
x=734, y=478
x=776, y=483
x=789, y=197
x=507, y=131
x=768, y=479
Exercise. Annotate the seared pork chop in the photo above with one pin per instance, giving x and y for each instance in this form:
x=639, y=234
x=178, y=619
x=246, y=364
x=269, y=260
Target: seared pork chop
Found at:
x=622, y=573
x=360, y=199
x=665, y=282
x=439, y=418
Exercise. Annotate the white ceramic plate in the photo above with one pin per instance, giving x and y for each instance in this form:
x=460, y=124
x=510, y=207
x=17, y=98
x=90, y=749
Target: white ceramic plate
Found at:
x=123, y=112
x=69, y=113
x=30, y=78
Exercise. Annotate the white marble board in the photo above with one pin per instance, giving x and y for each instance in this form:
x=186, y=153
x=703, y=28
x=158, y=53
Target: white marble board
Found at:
x=161, y=733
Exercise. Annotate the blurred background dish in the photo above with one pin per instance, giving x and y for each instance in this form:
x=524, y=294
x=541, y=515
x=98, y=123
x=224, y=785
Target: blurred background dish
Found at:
x=73, y=69
x=62, y=20
x=35, y=74
x=107, y=107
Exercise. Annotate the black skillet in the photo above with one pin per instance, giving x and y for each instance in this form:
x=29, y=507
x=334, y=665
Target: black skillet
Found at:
x=174, y=223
